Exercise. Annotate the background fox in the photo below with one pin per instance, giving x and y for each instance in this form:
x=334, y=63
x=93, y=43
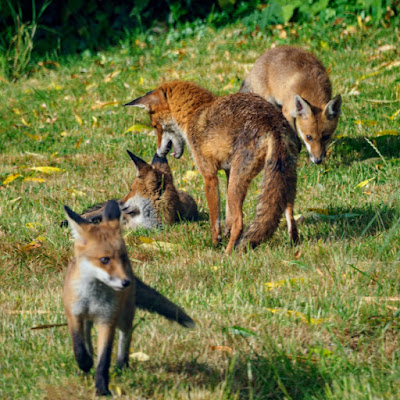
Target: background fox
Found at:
x=153, y=199
x=296, y=81
x=239, y=133
x=101, y=288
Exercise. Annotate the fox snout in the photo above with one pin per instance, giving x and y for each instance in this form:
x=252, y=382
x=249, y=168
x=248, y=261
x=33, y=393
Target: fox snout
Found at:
x=317, y=160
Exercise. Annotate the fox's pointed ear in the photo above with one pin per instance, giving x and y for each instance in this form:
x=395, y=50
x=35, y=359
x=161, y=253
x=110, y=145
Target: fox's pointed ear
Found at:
x=112, y=211
x=332, y=109
x=137, y=162
x=76, y=222
x=149, y=99
x=161, y=160
x=301, y=107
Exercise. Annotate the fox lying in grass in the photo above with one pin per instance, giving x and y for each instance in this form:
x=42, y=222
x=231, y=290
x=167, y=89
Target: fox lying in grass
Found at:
x=296, y=81
x=101, y=288
x=153, y=199
x=239, y=133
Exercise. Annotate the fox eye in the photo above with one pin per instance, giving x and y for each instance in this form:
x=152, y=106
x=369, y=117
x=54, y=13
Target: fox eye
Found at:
x=309, y=138
x=325, y=138
x=105, y=260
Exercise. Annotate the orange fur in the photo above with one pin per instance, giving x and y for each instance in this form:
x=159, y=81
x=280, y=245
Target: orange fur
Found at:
x=296, y=81
x=239, y=133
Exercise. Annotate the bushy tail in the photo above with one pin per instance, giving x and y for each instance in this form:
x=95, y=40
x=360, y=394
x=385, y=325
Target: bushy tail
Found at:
x=149, y=299
x=278, y=189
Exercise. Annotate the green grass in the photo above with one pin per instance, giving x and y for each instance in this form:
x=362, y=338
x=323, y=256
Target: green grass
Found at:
x=333, y=329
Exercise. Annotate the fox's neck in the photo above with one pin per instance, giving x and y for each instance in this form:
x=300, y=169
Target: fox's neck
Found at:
x=186, y=101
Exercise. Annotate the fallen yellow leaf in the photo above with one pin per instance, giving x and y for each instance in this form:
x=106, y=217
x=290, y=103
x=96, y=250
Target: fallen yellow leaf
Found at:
x=34, y=244
x=139, y=356
x=78, y=119
x=78, y=143
x=35, y=137
x=160, y=246
x=33, y=179
x=23, y=120
x=100, y=105
x=11, y=178
x=386, y=132
x=138, y=128
x=190, y=175
x=47, y=170
x=364, y=183
x=283, y=282
x=145, y=239
x=226, y=349
x=298, y=314
x=366, y=122
x=111, y=76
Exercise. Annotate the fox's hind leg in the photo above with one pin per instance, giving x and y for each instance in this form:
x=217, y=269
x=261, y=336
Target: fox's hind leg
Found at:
x=243, y=170
x=228, y=216
x=291, y=223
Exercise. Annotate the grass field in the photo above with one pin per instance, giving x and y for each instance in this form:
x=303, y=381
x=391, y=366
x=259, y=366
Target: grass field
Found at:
x=315, y=322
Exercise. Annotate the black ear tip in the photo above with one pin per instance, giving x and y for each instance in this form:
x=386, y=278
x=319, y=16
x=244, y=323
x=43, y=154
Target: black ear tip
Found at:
x=131, y=103
x=159, y=160
x=112, y=210
x=68, y=210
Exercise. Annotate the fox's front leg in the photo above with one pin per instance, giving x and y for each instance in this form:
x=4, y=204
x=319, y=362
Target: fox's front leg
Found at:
x=104, y=348
x=212, y=195
x=81, y=353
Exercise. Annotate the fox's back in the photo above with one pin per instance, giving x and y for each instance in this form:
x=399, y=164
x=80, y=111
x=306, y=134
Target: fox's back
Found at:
x=285, y=71
x=235, y=120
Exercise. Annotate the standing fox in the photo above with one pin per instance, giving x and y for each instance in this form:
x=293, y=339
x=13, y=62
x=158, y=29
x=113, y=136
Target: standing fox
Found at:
x=153, y=199
x=296, y=81
x=239, y=133
x=101, y=288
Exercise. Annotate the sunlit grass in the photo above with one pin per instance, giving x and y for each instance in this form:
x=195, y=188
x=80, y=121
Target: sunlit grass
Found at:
x=331, y=334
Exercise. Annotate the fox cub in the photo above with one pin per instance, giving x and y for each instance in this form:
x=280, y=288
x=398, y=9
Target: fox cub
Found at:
x=296, y=81
x=153, y=199
x=240, y=134
x=101, y=288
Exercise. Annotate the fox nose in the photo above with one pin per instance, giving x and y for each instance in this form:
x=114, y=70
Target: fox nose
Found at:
x=125, y=283
x=317, y=161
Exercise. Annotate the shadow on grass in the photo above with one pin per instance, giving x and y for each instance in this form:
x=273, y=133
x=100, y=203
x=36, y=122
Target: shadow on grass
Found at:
x=279, y=376
x=347, y=223
x=358, y=149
